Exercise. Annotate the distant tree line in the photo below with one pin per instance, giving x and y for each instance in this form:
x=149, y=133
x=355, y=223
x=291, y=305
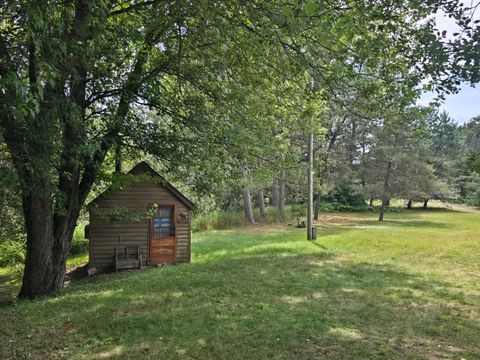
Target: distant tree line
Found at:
x=421, y=156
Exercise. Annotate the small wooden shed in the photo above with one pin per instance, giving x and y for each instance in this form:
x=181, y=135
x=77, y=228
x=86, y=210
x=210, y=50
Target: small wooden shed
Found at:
x=148, y=222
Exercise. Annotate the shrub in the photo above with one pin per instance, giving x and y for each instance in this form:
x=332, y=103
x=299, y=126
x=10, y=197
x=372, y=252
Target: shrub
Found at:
x=299, y=220
x=345, y=197
x=12, y=254
x=473, y=198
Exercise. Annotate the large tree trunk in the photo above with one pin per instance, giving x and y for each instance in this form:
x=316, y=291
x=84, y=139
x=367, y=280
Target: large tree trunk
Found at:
x=281, y=195
x=261, y=205
x=385, y=199
x=317, y=206
x=370, y=204
x=49, y=232
x=425, y=203
x=310, y=189
x=247, y=206
x=40, y=275
x=409, y=204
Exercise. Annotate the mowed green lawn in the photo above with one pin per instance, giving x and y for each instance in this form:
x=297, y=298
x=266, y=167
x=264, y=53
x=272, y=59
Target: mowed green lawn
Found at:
x=408, y=288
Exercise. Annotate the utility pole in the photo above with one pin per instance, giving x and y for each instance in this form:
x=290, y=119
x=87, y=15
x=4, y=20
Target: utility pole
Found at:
x=310, y=232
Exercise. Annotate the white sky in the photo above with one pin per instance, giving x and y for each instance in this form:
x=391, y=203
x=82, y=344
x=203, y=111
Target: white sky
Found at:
x=466, y=103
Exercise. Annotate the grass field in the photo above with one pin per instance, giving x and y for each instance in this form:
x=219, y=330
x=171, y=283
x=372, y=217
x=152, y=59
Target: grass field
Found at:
x=408, y=288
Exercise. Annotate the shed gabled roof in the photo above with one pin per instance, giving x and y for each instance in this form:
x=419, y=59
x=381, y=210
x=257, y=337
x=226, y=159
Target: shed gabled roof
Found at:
x=144, y=168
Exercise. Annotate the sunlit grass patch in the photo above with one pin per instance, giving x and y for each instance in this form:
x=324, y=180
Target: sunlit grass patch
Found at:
x=76, y=260
x=345, y=333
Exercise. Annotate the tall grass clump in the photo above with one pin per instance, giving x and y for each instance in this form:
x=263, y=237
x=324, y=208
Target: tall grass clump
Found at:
x=295, y=215
x=221, y=220
x=217, y=220
x=79, y=244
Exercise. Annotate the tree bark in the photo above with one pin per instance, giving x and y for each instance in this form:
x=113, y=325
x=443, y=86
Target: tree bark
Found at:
x=385, y=192
x=371, y=202
x=275, y=192
x=362, y=161
x=49, y=232
x=352, y=146
x=317, y=206
x=247, y=206
x=118, y=158
x=39, y=276
x=261, y=205
x=409, y=204
x=310, y=188
x=425, y=203
x=281, y=195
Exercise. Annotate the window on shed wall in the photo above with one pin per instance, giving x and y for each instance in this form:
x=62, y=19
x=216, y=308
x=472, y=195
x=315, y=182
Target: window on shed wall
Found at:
x=163, y=224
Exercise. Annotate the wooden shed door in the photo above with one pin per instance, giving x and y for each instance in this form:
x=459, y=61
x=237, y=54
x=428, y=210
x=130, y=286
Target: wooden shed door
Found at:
x=162, y=236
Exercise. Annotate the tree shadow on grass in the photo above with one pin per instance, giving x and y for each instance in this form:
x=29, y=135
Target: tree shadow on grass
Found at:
x=287, y=306
x=405, y=223
x=9, y=287
x=431, y=210
x=394, y=224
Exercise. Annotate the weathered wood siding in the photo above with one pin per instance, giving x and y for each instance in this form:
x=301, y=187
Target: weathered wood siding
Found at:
x=106, y=235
